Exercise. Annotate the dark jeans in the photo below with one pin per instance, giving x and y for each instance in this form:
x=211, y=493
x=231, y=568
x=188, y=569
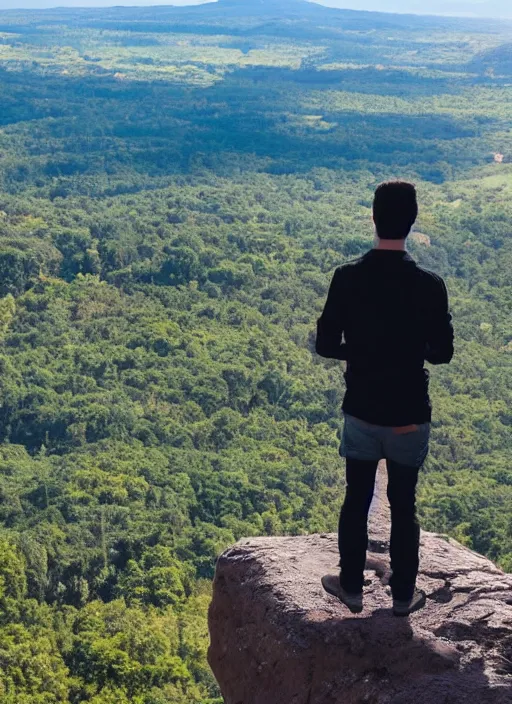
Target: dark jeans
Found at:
x=405, y=530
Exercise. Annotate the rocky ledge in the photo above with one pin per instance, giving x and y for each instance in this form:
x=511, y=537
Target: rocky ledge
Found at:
x=278, y=638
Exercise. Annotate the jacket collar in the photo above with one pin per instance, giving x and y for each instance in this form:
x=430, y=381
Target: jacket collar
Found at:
x=389, y=255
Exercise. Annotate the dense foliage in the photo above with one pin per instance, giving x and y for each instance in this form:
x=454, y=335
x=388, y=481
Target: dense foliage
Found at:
x=176, y=188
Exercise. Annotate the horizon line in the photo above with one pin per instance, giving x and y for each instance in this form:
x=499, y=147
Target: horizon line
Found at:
x=199, y=3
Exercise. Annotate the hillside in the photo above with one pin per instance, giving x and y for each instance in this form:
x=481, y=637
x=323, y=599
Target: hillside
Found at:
x=176, y=188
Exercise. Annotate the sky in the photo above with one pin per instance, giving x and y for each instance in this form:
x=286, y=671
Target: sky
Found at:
x=41, y=4
x=466, y=8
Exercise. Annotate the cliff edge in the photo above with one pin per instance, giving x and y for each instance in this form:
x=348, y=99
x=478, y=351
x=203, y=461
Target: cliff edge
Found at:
x=278, y=638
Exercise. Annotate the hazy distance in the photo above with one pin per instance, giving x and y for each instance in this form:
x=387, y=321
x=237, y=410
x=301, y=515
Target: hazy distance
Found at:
x=463, y=8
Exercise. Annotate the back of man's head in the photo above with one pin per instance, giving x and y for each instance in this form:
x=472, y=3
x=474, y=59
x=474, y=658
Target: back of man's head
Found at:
x=395, y=209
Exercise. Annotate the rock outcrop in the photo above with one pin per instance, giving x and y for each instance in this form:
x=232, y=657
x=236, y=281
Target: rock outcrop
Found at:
x=278, y=638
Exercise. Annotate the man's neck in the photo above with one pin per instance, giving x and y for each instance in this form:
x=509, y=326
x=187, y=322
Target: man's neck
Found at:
x=395, y=245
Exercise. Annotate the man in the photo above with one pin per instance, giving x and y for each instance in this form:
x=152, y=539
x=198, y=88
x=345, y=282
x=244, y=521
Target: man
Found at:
x=385, y=316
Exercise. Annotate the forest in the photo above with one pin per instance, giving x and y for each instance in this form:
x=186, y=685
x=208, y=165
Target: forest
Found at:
x=177, y=186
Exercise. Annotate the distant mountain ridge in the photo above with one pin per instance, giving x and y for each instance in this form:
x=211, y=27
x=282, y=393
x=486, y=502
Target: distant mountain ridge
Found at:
x=316, y=16
x=283, y=8
x=461, y=8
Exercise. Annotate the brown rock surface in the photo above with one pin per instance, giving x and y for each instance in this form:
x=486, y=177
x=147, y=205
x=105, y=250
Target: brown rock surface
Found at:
x=278, y=638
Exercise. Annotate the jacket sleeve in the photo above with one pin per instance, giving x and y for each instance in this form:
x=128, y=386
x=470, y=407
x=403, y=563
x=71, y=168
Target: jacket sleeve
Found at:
x=439, y=349
x=330, y=325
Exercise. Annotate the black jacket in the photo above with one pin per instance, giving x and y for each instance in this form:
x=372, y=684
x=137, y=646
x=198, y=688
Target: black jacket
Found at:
x=386, y=315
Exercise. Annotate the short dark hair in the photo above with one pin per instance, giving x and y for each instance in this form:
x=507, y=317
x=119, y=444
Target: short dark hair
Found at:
x=395, y=209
